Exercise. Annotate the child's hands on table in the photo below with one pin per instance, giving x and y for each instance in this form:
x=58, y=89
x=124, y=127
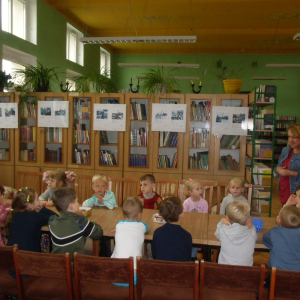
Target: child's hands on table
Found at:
x=49, y=203
x=225, y=221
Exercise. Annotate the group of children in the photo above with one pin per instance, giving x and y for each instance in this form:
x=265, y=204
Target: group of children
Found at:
x=171, y=242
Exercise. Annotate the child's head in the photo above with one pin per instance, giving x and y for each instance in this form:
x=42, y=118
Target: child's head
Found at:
x=2, y=191
x=57, y=179
x=194, y=188
x=289, y=217
x=238, y=211
x=171, y=209
x=99, y=184
x=65, y=199
x=25, y=199
x=235, y=187
x=147, y=183
x=133, y=208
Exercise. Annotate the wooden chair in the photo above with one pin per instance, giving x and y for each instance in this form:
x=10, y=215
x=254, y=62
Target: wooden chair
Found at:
x=166, y=188
x=231, y=282
x=123, y=188
x=284, y=285
x=158, y=279
x=94, y=275
x=30, y=179
x=84, y=187
x=51, y=275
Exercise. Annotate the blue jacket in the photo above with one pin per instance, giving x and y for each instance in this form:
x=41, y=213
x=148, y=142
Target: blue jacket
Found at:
x=294, y=166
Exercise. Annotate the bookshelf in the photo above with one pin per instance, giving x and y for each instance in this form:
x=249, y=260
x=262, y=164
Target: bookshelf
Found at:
x=109, y=144
x=198, y=141
x=138, y=145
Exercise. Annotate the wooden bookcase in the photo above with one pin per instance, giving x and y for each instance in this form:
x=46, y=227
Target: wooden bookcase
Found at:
x=168, y=146
x=198, y=140
x=238, y=153
x=109, y=145
x=138, y=145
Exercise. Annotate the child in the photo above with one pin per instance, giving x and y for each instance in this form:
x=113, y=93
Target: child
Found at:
x=237, y=235
x=284, y=240
x=147, y=183
x=101, y=197
x=294, y=199
x=25, y=220
x=234, y=191
x=195, y=203
x=171, y=242
x=57, y=179
x=69, y=231
x=4, y=210
x=130, y=232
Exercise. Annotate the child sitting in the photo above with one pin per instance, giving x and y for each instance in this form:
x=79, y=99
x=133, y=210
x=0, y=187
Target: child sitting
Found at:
x=4, y=211
x=195, y=203
x=130, y=232
x=171, y=242
x=69, y=231
x=284, y=240
x=151, y=198
x=237, y=235
x=234, y=191
x=101, y=197
x=57, y=179
x=25, y=220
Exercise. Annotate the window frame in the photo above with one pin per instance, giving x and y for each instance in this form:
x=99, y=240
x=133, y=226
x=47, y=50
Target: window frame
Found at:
x=79, y=49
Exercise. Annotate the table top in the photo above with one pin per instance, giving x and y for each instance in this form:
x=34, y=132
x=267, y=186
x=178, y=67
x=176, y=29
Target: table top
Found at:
x=213, y=220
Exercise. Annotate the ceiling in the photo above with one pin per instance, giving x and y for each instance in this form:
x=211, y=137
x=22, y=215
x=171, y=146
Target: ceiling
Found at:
x=221, y=26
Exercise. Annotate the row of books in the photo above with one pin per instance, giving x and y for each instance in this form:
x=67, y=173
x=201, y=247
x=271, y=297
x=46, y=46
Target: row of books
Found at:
x=81, y=156
x=138, y=111
x=262, y=174
x=4, y=154
x=4, y=134
x=53, y=135
x=165, y=162
x=138, y=137
x=82, y=108
x=107, y=158
x=81, y=135
x=109, y=101
x=28, y=155
x=230, y=142
x=286, y=118
x=168, y=139
x=265, y=93
x=138, y=160
x=199, y=160
x=265, y=122
x=199, y=139
x=262, y=204
x=28, y=133
x=227, y=162
x=27, y=110
x=282, y=125
x=281, y=141
x=103, y=137
x=54, y=155
x=200, y=111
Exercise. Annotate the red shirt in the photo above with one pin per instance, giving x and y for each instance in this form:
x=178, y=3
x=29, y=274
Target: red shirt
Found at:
x=285, y=190
x=149, y=203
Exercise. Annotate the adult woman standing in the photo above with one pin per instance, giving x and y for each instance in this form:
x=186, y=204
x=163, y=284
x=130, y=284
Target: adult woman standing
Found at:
x=288, y=168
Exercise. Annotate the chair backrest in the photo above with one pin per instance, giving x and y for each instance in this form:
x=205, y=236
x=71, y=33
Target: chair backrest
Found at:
x=221, y=193
x=102, y=269
x=84, y=187
x=30, y=179
x=44, y=265
x=167, y=274
x=284, y=284
x=166, y=188
x=231, y=277
x=123, y=188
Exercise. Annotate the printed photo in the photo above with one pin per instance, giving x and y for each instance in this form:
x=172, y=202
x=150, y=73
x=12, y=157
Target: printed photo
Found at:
x=102, y=114
x=238, y=118
x=61, y=112
x=161, y=115
x=222, y=118
x=46, y=111
x=9, y=112
x=117, y=116
x=177, y=115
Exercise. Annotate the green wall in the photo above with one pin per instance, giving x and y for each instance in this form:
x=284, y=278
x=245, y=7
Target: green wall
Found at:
x=288, y=90
x=51, y=44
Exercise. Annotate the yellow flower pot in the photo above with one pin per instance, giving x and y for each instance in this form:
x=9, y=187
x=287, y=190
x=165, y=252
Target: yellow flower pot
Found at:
x=232, y=86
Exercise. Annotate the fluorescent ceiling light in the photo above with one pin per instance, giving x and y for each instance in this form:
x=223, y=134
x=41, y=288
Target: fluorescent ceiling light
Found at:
x=166, y=65
x=175, y=77
x=139, y=39
x=268, y=78
x=283, y=65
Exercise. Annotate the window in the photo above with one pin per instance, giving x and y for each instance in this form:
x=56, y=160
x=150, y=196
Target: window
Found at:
x=72, y=85
x=74, y=46
x=104, y=62
x=19, y=18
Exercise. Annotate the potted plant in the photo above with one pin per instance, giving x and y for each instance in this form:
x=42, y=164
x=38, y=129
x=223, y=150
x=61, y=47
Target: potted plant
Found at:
x=157, y=81
x=231, y=86
x=4, y=81
x=37, y=79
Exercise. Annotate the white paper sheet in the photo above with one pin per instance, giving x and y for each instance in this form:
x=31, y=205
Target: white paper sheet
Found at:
x=168, y=117
x=110, y=117
x=53, y=114
x=8, y=115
